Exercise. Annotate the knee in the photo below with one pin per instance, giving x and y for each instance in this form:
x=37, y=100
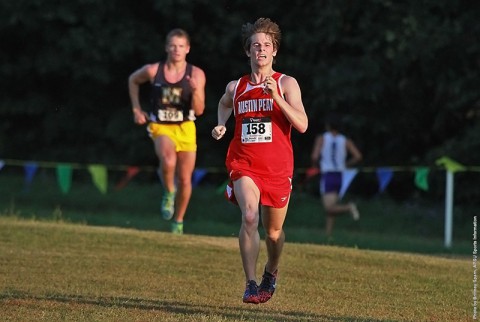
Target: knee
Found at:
x=329, y=209
x=167, y=163
x=250, y=218
x=274, y=236
x=184, y=181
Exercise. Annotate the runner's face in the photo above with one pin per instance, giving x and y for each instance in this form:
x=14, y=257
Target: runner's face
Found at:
x=261, y=50
x=177, y=49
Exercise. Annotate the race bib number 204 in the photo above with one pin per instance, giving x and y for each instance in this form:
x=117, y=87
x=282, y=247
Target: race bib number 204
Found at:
x=256, y=130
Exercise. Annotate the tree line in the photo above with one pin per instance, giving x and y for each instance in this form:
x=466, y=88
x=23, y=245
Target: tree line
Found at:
x=404, y=74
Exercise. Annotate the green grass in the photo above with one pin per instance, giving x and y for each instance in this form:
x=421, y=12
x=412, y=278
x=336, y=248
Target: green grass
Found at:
x=411, y=226
x=56, y=271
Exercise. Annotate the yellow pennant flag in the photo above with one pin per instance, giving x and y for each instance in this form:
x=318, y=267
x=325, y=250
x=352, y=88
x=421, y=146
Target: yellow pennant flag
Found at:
x=450, y=164
x=99, y=176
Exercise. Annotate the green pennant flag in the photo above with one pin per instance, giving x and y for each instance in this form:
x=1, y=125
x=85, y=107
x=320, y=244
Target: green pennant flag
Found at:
x=421, y=178
x=221, y=188
x=450, y=164
x=99, y=177
x=64, y=177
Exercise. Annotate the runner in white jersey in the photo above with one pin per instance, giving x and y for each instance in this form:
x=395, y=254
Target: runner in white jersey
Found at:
x=333, y=152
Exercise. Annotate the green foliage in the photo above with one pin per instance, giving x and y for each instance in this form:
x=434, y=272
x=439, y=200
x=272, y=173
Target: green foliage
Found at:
x=405, y=74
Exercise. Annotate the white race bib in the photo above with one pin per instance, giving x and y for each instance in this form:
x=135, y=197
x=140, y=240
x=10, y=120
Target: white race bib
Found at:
x=170, y=115
x=256, y=130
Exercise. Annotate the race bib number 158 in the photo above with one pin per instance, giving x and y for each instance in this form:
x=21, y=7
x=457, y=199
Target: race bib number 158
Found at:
x=256, y=130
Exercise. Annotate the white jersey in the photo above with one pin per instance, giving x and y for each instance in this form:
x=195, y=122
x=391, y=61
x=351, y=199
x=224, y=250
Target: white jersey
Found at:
x=334, y=152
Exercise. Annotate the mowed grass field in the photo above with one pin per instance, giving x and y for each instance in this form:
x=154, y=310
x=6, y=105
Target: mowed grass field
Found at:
x=57, y=271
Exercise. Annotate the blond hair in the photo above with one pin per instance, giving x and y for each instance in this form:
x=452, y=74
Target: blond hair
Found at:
x=178, y=32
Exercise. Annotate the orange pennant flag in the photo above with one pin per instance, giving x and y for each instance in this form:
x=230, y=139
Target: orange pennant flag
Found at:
x=132, y=171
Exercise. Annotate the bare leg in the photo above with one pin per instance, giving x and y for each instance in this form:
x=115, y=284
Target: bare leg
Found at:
x=185, y=167
x=167, y=156
x=329, y=223
x=272, y=220
x=333, y=209
x=248, y=197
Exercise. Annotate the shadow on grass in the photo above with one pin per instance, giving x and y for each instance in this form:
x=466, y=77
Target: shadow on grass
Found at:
x=183, y=308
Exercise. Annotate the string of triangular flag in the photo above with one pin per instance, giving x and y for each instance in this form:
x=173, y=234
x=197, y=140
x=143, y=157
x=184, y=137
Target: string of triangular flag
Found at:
x=385, y=174
x=99, y=174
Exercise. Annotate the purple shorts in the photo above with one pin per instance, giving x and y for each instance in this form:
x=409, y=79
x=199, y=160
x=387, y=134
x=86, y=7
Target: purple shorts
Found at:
x=330, y=182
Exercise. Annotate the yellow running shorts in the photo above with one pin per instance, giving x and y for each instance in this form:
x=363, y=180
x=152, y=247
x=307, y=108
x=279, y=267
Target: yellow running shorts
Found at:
x=184, y=134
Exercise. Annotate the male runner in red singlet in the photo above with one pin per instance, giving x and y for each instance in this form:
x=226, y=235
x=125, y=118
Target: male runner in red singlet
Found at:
x=178, y=96
x=266, y=104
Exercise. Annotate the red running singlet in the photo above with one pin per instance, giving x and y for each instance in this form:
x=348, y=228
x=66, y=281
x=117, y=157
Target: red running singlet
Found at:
x=261, y=142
